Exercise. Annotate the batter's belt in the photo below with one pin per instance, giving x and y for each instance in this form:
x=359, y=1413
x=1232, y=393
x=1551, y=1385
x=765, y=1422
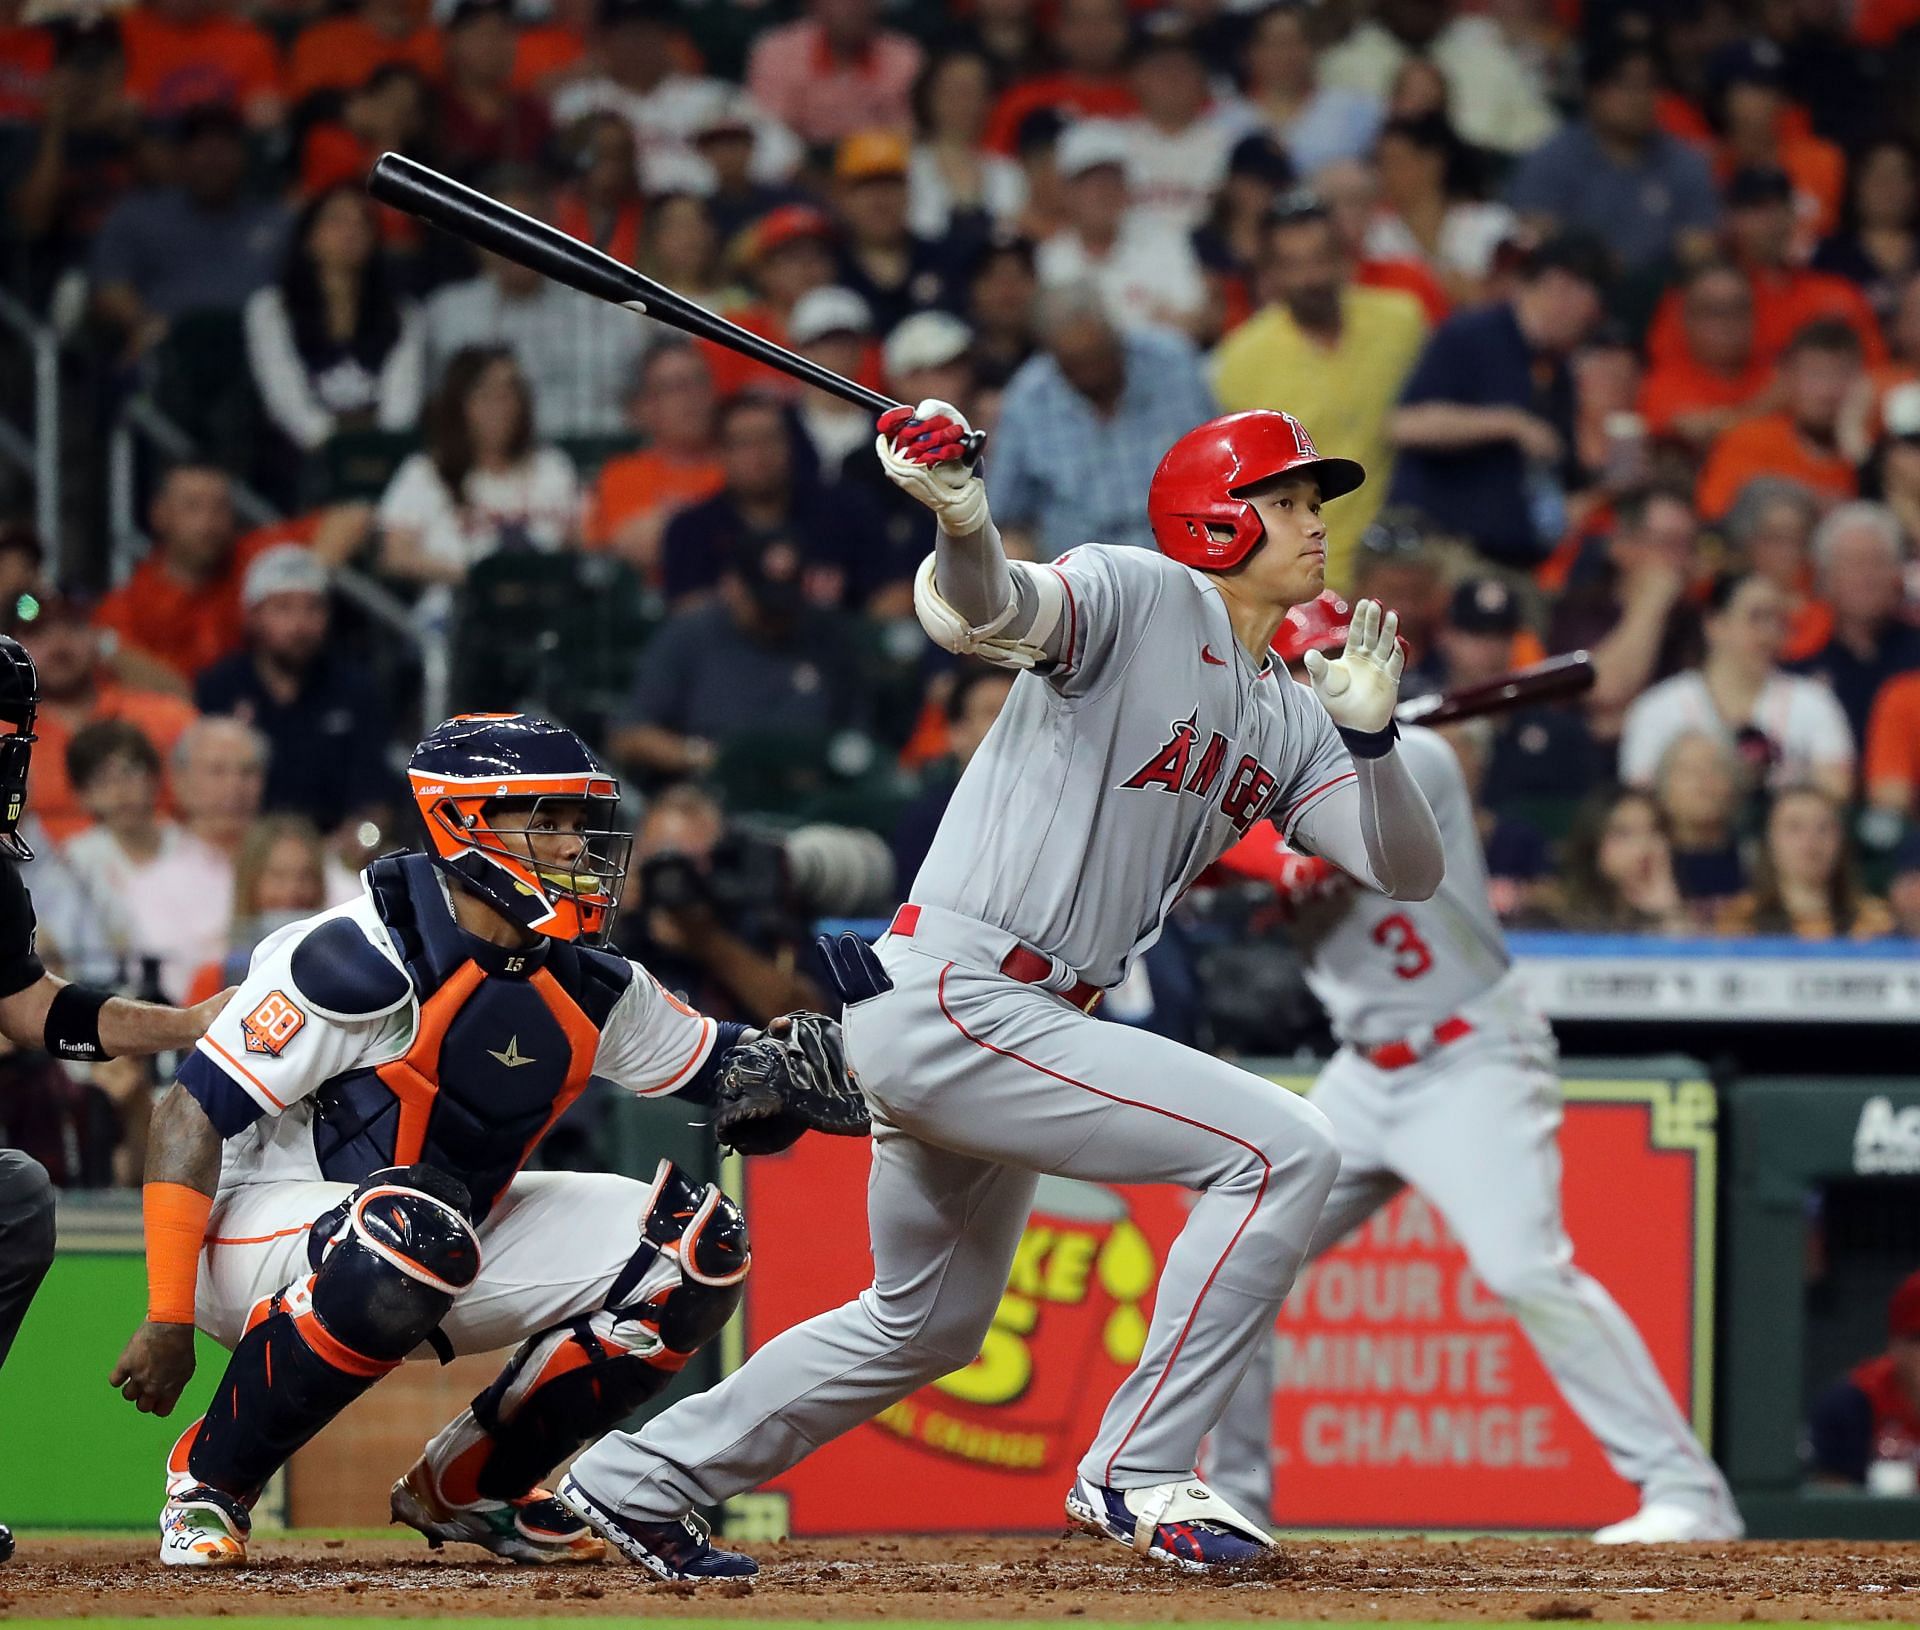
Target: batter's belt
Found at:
x=986, y=949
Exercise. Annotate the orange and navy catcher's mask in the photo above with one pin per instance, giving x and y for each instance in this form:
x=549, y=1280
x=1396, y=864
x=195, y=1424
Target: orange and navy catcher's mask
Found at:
x=480, y=779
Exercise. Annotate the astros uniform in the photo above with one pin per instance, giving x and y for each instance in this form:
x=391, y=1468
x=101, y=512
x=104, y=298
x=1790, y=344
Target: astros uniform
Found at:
x=1113, y=777
x=1446, y=1079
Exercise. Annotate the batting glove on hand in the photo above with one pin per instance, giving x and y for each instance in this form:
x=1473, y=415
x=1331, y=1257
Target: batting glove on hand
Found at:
x=1359, y=687
x=921, y=450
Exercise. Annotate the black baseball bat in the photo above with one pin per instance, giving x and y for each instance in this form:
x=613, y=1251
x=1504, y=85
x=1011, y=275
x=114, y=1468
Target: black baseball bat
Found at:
x=487, y=223
x=1555, y=680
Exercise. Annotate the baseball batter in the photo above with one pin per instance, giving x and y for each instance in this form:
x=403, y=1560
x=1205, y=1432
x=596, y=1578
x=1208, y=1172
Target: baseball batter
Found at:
x=1148, y=730
x=1446, y=1079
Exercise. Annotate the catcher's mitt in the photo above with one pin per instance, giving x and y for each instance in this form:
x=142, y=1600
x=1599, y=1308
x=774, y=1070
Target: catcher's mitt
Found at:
x=789, y=1080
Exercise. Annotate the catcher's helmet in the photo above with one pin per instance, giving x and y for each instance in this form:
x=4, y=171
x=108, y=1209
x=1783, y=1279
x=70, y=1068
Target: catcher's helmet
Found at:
x=1313, y=625
x=477, y=765
x=1197, y=485
x=19, y=706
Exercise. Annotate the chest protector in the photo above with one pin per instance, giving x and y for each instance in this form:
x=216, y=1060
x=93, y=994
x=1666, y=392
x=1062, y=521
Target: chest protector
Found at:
x=505, y=1043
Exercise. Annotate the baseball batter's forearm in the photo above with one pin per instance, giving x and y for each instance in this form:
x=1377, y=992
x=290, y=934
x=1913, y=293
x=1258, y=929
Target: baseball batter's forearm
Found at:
x=971, y=573
x=1379, y=829
x=977, y=602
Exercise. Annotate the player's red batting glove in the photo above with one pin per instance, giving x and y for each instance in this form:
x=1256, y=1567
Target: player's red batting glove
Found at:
x=936, y=439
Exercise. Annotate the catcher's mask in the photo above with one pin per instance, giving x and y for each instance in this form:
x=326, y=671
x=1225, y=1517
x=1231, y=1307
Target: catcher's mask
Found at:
x=523, y=814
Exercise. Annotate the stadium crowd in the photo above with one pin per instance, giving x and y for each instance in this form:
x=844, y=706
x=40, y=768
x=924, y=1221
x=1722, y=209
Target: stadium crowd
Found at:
x=1619, y=302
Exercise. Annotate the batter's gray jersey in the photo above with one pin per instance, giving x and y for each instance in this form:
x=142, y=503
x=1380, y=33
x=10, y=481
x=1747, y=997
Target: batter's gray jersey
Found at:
x=1389, y=969
x=1107, y=785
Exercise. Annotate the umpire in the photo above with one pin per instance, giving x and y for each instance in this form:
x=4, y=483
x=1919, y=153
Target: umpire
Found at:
x=39, y=1010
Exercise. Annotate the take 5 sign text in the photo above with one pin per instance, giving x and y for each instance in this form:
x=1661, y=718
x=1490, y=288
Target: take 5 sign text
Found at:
x=1406, y=1395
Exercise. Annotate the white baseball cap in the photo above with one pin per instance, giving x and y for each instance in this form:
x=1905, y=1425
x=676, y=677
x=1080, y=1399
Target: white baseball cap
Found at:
x=927, y=339
x=1089, y=143
x=1900, y=411
x=831, y=310
x=286, y=568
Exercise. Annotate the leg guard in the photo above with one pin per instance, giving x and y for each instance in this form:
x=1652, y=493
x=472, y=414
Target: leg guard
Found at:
x=389, y=1261
x=569, y=1384
x=26, y=1238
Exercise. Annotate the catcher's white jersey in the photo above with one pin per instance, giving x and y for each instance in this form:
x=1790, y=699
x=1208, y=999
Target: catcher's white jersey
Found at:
x=1105, y=788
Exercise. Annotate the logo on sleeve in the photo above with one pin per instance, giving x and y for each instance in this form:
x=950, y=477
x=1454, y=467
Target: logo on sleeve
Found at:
x=271, y=1025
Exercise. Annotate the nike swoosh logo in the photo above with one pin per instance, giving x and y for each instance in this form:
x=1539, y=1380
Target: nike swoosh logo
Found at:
x=513, y=1058
x=1206, y=655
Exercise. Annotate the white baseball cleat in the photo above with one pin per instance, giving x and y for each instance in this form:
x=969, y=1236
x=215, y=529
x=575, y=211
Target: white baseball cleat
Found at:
x=202, y=1528
x=1668, y=1522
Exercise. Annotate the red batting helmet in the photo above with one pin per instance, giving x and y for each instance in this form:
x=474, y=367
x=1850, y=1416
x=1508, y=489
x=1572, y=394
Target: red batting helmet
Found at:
x=1314, y=625
x=1196, y=485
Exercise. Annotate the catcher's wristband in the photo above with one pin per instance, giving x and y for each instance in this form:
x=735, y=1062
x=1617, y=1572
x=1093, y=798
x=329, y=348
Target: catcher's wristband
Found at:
x=176, y=1220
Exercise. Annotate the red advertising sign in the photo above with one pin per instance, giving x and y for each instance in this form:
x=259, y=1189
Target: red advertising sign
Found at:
x=1406, y=1397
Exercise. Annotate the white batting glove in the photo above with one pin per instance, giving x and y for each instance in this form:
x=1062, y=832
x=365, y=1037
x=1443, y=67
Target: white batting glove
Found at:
x=920, y=449
x=1359, y=687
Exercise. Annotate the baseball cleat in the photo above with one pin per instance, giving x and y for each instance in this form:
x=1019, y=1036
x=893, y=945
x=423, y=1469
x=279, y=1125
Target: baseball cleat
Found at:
x=535, y=1528
x=202, y=1528
x=678, y=1550
x=1669, y=1522
x=1184, y=1523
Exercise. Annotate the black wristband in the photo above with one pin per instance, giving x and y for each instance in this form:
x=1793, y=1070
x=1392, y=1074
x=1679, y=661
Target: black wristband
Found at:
x=72, y=1029
x=1371, y=743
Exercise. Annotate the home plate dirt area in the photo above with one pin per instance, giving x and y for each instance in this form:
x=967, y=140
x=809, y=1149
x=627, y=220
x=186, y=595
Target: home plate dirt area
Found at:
x=1063, y=1579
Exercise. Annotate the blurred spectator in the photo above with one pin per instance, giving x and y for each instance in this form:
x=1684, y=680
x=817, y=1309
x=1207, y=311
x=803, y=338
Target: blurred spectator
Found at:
x=180, y=606
x=1333, y=355
x=1084, y=424
x=169, y=892
x=1892, y=761
x=973, y=703
x=929, y=355
x=1493, y=75
x=1802, y=440
x=1788, y=729
x=881, y=260
x=762, y=660
x=1089, y=81
x=1000, y=300
x=1892, y=473
x=1618, y=874
x=204, y=243
x=603, y=205
x=833, y=327
x=387, y=112
x=1749, y=106
x=1351, y=191
x=770, y=498
x=1877, y=242
x=189, y=54
x=1871, y=1416
x=484, y=482
x=1615, y=173
x=1611, y=453
x=1399, y=565
x=1903, y=892
x=788, y=253
x=1231, y=242
x=1316, y=123
x=1475, y=645
x=23, y=557
x=1006, y=33
x=1701, y=788
x=1045, y=211
x=953, y=182
x=1179, y=141
x=1770, y=528
x=1430, y=213
x=578, y=354
x=77, y=159
x=835, y=72
x=330, y=344
x=680, y=916
x=637, y=494
x=1486, y=419
x=220, y=777
x=1716, y=379
x=76, y=691
x=1631, y=609
x=1860, y=556
x=338, y=53
x=669, y=111
x=279, y=877
x=1805, y=882
x=1146, y=273
x=484, y=122
x=323, y=720
x=680, y=247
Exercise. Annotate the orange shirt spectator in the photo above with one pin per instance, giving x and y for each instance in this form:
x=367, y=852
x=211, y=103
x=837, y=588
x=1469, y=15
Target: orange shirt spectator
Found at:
x=1762, y=130
x=181, y=53
x=543, y=51
x=1769, y=445
x=1784, y=301
x=1685, y=387
x=1892, y=763
x=338, y=53
x=644, y=486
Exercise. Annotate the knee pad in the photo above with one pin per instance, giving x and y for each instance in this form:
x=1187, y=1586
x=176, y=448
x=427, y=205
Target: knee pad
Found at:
x=26, y=1208
x=688, y=1276
x=391, y=1259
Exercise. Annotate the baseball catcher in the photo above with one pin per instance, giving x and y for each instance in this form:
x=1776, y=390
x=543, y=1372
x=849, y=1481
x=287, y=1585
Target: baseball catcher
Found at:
x=334, y=1183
